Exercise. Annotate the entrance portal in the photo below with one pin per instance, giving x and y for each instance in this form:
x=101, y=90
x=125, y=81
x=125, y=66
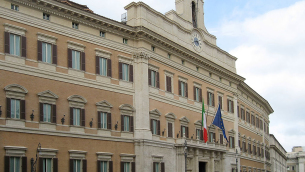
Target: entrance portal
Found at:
x=202, y=166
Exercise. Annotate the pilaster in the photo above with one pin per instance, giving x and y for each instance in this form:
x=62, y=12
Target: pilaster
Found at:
x=236, y=128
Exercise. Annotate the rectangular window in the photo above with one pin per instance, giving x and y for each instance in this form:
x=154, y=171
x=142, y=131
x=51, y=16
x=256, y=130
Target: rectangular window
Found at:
x=77, y=165
x=197, y=94
x=210, y=99
x=220, y=101
x=168, y=84
x=126, y=123
x=103, y=66
x=153, y=79
x=47, y=112
x=74, y=25
x=157, y=167
x=103, y=166
x=76, y=117
x=257, y=122
x=15, y=108
x=244, y=147
x=183, y=87
x=221, y=139
x=248, y=117
x=104, y=120
x=15, y=164
x=46, y=52
x=153, y=48
x=231, y=140
x=169, y=56
x=76, y=60
x=125, y=41
x=261, y=124
x=254, y=150
x=184, y=131
x=230, y=106
x=46, y=16
x=102, y=34
x=127, y=167
x=197, y=134
x=182, y=62
x=125, y=72
x=46, y=165
x=212, y=137
x=15, y=7
x=249, y=148
x=154, y=127
x=15, y=44
x=169, y=129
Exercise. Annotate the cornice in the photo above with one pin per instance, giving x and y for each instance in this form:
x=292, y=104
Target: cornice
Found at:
x=278, y=151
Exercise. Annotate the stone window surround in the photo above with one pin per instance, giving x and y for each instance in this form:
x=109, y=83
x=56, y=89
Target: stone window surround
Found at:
x=153, y=67
x=170, y=118
x=180, y=78
x=15, y=91
x=103, y=106
x=125, y=59
x=46, y=38
x=77, y=101
x=126, y=109
x=77, y=154
x=15, y=151
x=104, y=156
x=198, y=124
x=211, y=129
x=157, y=158
x=127, y=157
x=231, y=133
x=184, y=121
x=102, y=53
x=169, y=74
x=76, y=46
x=47, y=153
x=47, y=97
x=155, y=114
x=211, y=90
x=14, y=29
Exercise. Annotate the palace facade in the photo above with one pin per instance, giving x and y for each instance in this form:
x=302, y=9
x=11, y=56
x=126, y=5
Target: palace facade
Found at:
x=81, y=92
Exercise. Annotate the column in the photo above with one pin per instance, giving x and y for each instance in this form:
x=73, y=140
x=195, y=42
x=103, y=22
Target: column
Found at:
x=236, y=129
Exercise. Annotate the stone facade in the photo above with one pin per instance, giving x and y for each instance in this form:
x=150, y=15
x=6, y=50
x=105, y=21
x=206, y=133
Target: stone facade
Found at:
x=296, y=159
x=126, y=94
x=277, y=155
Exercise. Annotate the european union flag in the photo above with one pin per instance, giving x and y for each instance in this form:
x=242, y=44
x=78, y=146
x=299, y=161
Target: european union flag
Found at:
x=219, y=123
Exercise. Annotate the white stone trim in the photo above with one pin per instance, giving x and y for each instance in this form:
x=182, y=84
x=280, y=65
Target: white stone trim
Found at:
x=77, y=101
x=198, y=124
x=15, y=91
x=104, y=156
x=47, y=153
x=170, y=117
x=15, y=150
x=153, y=67
x=102, y=53
x=184, y=121
x=76, y=46
x=211, y=90
x=157, y=158
x=212, y=129
x=155, y=114
x=14, y=29
x=168, y=73
x=126, y=109
x=46, y=38
x=47, y=97
x=77, y=154
x=103, y=106
x=180, y=78
x=127, y=157
x=125, y=59
x=197, y=85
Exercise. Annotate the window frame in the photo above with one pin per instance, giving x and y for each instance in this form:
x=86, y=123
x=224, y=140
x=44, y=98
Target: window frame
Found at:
x=46, y=16
x=125, y=41
x=75, y=25
x=153, y=76
x=14, y=7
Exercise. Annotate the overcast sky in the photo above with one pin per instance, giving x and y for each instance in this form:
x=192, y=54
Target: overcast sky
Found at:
x=268, y=38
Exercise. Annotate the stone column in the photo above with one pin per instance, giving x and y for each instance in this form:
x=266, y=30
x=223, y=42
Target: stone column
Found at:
x=212, y=162
x=196, y=160
x=141, y=98
x=236, y=129
x=301, y=162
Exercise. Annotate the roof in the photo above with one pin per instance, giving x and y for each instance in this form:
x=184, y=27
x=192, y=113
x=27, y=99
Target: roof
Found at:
x=75, y=5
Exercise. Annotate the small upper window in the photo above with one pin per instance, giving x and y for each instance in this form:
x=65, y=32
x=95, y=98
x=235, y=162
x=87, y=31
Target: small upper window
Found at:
x=182, y=62
x=102, y=34
x=14, y=7
x=220, y=79
x=125, y=40
x=197, y=68
x=210, y=74
x=168, y=55
x=74, y=25
x=153, y=48
x=46, y=16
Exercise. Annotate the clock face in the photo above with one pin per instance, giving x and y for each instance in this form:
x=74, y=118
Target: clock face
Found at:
x=196, y=41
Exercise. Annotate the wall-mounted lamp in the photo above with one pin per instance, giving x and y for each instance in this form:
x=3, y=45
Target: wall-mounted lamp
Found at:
x=163, y=132
x=32, y=115
x=116, y=125
x=63, y=120
x=0, y=111
x=90, y=123
x=192, y=137
x=178, y=134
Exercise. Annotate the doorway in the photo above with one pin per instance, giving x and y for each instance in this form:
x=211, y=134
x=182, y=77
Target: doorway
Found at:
x=202, y=166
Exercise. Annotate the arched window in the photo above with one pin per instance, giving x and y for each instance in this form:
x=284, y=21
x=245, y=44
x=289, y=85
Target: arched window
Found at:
x=194, y=16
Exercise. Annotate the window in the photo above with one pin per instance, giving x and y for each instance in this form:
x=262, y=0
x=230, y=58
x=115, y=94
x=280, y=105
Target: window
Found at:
x=182, y=62
x=168, y=55
x=220, y=79
x=231, y=140
x=103, y=166
x=244, y=147
x=261, y=124
x=127, y=167
x=248, y=117
x=76, y=60
x=153, y=78
x=258, y=151
x=46, y=52
x=125, y=41
x=197, y=94
x=168, y=83
x=210, y=74
x=153, y=48
x=257, y=122
x=15, y=44
x=103, y=66
x=74, y=25
x=77, y=165
x=76, y=56
x=220, y=138
x=126, y=72
x=158, y=167
x=46, y=16
x=46, y=165
x=47, y=112
x=242, y=111
x=127, y=123
x=15, y=7
x=169, y=129
x=249, y=148
x=102, y=34
x=212, y=137
x=220, y=101
x=103, y=120
x=238, y=115
x=15, y=108
x=210, y=99
x=184, y=131
x=15, y=164
x=230, y=106
x=76, y=116
x=254, y=150
x=197, y=68
x=183, y=89
x=155, y=126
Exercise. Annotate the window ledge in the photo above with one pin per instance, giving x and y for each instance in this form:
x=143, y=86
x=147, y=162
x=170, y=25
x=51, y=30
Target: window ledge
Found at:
x=78, y=129
x=169, y=94
x=14, y=58
x=154, y=89
x=125, y=83
x=46, y=65
x=183, y=99
x=127, y=134
x=76, y=72
x=15, y=122
x=47, y=126
x=103, y=78
x=104, y=132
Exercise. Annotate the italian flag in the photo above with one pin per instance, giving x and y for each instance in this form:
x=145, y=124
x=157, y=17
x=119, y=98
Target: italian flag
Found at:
x=204, y=124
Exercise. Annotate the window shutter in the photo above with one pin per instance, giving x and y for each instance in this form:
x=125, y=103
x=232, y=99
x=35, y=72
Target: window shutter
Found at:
x=109, y=68
x=130, y=73
x=170, y=130
x=120, y=70
x=122, y=122
x=149, y=76
x=187, y=132
x=131, y=123
x=208, y=100
x=110, y=166
x=201, y=135
x=54, y=113
x=220, y=101
x=55, y=165
x=7, y=42
x=122, y=166
x=83, y=58
x=179, y=87
x=233, y=140
x=109, y=121
x=228, y=105
x=99, y=120
x=221, y=139
x=40, y=165
x=200, y=95
x=158, y=127
x=213, y=101
x=194, y=90
x=39, y=50
x=23, y=45
x=232, y=106
x=166, y=79
x=151, y=125
x=99, y=166
x=181, y=131
x=41, y=111
x=24, y=164
x=158, y=80
x=22, y=109
x=97, y=65
x=83, y=117
x=186, y=91
x=162, y=167
x=71, y=165
x=54, y=58
x=84, y=165
x=238, y=111
x=133, y=166
x=170, y=84
x=71, y=116
x=69, y=58
x=6, y=162
x=8, y=107
x=154, y=166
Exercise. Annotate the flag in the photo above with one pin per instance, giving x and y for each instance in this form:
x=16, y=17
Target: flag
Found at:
x=204, y=124
x=219, y=122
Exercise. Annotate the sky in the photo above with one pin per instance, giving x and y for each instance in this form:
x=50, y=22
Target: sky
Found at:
x=268, y=38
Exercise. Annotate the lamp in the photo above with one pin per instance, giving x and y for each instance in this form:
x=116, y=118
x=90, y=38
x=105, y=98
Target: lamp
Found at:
x=178, y=134
x=32, y=115
x=91, y=123
x=63, y=120
x=163, y=132
x=116, y=125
